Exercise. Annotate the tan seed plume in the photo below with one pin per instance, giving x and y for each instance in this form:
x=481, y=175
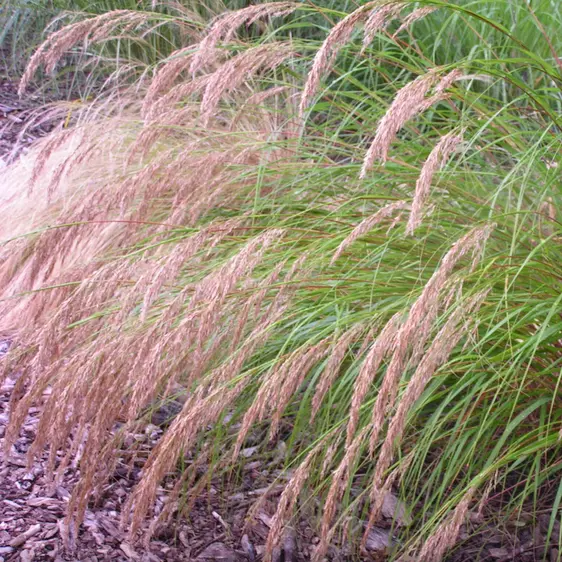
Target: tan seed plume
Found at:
x=164, y=109
x=368, y=224
x=223, y=28
x=325, y=56
x=421, y=317
x=442, y=346
x=380, y=349
x=379, y=19
x=288, y=499
x=165, y=77
x=256, y=100
x=340, y=478
x=331, y=371
x=278, y=388
x=414, y=16
x=93, y=29
x=436, y=546
x=293, y=375
x=411, y=100
x=435, y=161
x=237, y=70
x=201, y=409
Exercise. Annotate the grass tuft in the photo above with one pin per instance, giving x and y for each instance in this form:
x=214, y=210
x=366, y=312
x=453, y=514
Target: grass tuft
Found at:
x=345, y=242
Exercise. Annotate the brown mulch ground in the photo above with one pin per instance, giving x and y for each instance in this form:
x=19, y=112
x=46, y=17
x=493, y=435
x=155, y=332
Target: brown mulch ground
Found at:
x=18, y=129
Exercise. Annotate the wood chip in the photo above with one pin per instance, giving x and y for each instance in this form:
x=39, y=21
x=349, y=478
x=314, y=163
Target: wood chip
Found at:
x=378, y=540
x=290, y=546
x=248, y=548
x=50, y=533
x=264, y=518
x=393, y=508
x=498, y=552
x=17, y=461
x=218, y=551
x=221, y=521
x=12, y=504
x=109, y=527
x=41, y=502
x=63, y=493
x=27, y=556
x=129, y=551
x=22, y=539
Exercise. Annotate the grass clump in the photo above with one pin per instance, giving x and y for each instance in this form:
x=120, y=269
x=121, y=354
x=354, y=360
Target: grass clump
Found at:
x=351, y=245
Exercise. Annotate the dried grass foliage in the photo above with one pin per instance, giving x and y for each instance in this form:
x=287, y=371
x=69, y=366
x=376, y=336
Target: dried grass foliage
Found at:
x=379, y=20
x=237, y=70
x=416, y=330
x=339, y=35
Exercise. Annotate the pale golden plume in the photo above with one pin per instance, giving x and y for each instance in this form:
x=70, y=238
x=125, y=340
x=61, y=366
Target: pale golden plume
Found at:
x=288, y=500
x=443, y=344
x=416, y=329
x=435, y=161
x=332, y=369
x=417, y=14
x=379, y=19
x=224, y=27
x=326, y=55
x=368, y=224
x=92, y=29
x=238, y=70
x=381, y=347
x=340, y=478
x=411, y=100
x=436, y=546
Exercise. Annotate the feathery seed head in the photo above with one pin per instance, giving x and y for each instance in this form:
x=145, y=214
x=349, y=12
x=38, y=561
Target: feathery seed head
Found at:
x=411, y=100
x=435, y=161
x=223, y=28
x=417, y=14
x=368, y=224
x=326, y=55
x=378, y=20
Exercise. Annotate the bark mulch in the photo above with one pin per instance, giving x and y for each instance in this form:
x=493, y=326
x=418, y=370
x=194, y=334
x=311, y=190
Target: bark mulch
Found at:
x=18, y=128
